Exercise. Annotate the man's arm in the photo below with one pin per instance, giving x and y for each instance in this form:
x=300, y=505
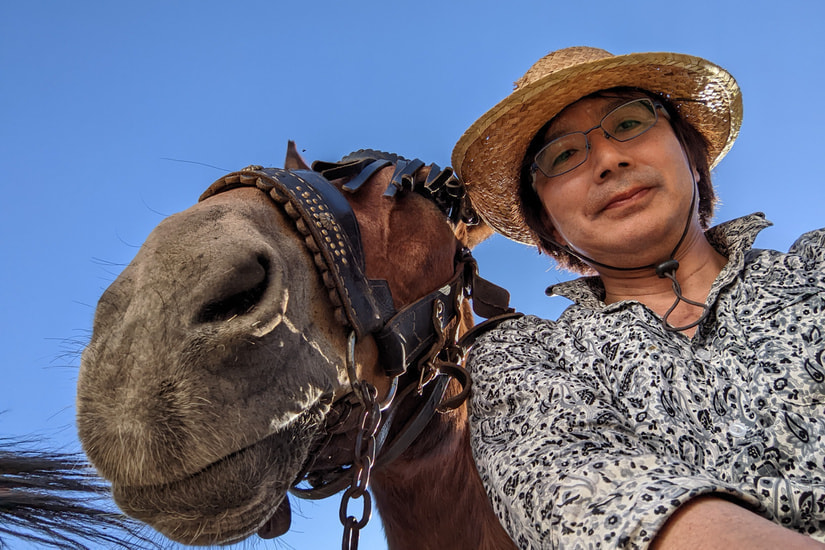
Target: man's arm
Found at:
x=708, y=522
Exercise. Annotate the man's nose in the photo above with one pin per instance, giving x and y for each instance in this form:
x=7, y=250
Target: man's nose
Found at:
x=607, y=154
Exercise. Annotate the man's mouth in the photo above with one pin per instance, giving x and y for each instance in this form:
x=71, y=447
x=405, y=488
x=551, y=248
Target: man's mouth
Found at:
x=625, y=198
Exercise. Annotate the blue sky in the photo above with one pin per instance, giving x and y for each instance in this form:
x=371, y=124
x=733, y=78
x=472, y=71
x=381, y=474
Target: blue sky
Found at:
x=97, y=97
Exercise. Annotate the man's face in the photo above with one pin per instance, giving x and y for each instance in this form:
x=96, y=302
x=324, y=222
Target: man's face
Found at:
x=626, y=204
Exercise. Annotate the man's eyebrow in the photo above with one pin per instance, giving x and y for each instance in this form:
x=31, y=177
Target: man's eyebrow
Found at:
x=556, y=130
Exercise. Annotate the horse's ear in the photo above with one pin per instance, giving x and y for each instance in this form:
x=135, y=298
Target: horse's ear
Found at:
x=471, y=235
x=294, y=160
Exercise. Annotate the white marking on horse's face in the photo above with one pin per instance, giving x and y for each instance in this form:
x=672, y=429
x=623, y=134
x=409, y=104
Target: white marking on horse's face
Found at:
x=263, y=327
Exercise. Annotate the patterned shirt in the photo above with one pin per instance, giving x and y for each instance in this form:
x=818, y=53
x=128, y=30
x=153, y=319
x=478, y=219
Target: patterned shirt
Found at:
x=590, y=431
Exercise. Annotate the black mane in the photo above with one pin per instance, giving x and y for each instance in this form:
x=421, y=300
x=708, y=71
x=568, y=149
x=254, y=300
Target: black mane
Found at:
x=54, y=500
x=372, y=154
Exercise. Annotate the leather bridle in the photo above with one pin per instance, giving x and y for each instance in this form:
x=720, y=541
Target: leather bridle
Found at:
x=417, y=345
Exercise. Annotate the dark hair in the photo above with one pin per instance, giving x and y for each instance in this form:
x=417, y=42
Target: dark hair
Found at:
x=54, y=500
x=533, y=210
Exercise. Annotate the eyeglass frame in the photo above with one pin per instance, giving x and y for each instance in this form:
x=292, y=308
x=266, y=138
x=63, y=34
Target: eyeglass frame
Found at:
x=656, y=106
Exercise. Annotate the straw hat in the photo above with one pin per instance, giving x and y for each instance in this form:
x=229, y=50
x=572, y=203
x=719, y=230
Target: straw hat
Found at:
x=488, y=156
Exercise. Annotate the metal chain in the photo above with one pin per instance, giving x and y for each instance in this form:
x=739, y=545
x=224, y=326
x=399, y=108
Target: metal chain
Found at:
x=361, y=468
x=364, y=452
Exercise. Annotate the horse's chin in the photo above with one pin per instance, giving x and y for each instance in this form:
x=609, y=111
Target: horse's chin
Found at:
x=230, y=499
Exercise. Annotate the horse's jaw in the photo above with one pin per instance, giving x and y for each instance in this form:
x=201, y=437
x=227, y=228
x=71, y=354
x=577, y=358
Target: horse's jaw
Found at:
x=230, y=499
x=198, y=406
x=212, y=477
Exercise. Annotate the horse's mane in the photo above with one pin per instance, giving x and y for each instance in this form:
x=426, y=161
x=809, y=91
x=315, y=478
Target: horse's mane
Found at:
x=372, y=154
x=54, y=500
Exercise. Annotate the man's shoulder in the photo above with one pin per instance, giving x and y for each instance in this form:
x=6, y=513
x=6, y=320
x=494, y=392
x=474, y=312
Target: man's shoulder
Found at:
x=524, y=326
x=805, y=255
x=513, y=340
x=764, y=277
x=739, y=234
x=810, y=245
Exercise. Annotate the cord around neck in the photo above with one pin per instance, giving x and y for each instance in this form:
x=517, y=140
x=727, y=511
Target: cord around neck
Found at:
x=664, y=269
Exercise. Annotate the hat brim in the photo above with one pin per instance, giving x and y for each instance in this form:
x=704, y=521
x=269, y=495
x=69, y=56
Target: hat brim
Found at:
x=489, y=155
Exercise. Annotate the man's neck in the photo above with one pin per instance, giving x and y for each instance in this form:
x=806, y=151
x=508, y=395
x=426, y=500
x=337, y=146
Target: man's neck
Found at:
x=699, y=265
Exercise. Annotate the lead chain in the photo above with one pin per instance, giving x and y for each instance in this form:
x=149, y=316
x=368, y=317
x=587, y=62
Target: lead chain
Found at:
x=364, y=452
x=362, y=467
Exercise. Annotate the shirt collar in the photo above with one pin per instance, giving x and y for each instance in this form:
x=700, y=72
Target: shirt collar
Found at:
x=731, y=239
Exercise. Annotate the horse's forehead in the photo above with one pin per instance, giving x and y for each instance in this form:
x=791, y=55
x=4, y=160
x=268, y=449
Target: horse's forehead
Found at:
x=400, y=218
x=238, y=208
x=400, y=234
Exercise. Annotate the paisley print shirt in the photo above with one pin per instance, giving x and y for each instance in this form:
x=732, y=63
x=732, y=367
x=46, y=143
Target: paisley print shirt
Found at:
x=591, y=430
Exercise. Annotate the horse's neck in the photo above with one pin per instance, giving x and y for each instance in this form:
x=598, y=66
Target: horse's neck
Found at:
x=428, y=494
x=434, y=487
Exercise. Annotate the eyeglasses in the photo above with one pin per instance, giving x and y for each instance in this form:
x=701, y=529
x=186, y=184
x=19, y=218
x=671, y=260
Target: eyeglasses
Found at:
x=570, y=151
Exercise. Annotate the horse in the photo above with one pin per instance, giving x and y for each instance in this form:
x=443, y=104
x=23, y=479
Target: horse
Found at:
x=54, y=500
x=296, y=330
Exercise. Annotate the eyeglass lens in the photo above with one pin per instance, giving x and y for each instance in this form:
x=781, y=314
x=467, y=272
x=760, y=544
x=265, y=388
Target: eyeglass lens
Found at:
x=570, y=151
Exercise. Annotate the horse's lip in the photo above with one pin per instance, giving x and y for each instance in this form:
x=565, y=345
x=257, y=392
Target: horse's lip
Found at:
x=317, y=408
x=278, y=522
x=186, y=500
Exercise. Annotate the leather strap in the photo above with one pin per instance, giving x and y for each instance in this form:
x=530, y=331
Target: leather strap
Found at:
x=403, y=177
x=416, y=424
x=410, y=332
x=489, y=300
x=358, y=171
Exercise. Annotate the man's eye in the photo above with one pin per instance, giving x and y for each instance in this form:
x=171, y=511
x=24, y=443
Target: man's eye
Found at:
x=628, y=125
x=563, y=157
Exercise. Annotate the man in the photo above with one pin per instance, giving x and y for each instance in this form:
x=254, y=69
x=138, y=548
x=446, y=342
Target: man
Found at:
x=680, y=402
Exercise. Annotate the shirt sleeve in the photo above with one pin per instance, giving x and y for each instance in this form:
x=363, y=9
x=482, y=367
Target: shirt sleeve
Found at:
x=561, y=465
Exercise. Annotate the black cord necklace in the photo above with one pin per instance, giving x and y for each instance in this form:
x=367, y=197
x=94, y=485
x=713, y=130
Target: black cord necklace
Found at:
x=665, y=269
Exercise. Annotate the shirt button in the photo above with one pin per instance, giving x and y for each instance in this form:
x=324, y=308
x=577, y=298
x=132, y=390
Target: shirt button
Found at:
x=737, y=429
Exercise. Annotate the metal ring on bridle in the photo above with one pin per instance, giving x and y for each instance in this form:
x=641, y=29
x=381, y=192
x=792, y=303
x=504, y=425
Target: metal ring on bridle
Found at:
x=352, y=373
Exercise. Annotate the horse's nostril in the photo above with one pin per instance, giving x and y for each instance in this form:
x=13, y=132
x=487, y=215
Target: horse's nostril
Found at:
x=239, y=293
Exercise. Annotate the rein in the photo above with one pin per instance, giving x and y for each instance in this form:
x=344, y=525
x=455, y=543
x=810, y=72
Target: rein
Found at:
x=417, y=345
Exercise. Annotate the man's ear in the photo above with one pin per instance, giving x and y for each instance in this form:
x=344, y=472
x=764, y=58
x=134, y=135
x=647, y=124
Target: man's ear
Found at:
x=558, y=238
x=549, y=230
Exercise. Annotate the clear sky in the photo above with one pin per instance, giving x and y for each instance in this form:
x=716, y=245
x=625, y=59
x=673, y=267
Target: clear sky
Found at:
x=97, y=97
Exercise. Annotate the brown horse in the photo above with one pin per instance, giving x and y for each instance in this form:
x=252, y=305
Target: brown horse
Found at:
x=221, y=357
